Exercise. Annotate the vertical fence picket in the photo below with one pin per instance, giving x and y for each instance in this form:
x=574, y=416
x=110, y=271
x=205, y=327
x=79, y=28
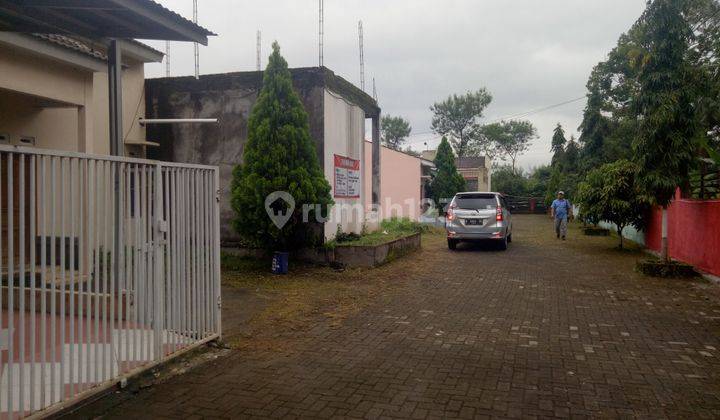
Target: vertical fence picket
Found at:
x=11, y=281
x=21, y=285
x=33, y=303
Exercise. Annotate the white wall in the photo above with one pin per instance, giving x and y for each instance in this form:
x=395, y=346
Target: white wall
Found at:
x=344, y=135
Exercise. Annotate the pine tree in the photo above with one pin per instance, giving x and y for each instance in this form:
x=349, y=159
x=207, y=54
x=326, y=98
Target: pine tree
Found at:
x=446, y=181
x=558, y=144
x=571, y=156
x=279, y=156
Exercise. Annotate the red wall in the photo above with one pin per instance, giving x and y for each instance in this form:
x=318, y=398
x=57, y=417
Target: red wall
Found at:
x=693, y=232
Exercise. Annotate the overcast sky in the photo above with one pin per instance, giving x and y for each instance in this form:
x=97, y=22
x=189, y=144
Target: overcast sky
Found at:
x=529, y=54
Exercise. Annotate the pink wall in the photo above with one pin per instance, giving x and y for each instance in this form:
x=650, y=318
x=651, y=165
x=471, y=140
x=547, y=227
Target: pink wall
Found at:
x=693, y=232
x=399, y=182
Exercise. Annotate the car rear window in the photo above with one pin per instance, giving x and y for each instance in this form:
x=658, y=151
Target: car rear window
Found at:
x=476, y=201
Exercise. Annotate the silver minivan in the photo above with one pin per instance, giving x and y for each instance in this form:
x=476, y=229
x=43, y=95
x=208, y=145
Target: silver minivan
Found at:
x=475, y=216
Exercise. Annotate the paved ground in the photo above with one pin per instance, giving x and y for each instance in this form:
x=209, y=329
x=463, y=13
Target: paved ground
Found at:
x=548, y=328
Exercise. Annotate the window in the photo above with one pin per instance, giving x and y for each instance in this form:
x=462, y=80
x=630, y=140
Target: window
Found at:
x=476, y=201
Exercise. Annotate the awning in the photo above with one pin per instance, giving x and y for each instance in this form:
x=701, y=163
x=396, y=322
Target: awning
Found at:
x=97, y=19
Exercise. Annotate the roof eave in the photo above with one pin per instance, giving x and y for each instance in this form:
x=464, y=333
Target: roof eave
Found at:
x=141, y=52
x=183, y=32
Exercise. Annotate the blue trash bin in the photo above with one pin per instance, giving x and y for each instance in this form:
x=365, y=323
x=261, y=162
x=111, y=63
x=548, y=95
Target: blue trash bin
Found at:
x=280, y=262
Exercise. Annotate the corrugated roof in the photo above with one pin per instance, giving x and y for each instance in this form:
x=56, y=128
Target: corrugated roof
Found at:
x=99, y=19
x=178, y=16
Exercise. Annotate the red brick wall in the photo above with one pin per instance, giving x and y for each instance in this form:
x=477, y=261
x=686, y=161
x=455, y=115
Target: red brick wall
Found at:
x=693, y=232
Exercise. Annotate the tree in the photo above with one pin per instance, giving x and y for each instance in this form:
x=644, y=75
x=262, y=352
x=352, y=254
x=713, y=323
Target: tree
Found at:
x=487, y=139
x=395, y=131
x=571, y=156
x=279, y=156
x=446, y=181
x=458, y=117
x=517, y=140
x=538, y=181
x=506, y=181
x=665, y=146
x=611, y=193
x=558, y=143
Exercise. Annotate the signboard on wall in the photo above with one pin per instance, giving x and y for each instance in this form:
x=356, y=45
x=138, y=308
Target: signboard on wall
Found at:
x=347, y=177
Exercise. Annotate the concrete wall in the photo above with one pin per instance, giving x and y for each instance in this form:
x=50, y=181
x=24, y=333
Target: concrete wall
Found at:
x=693, y=237
x=400, y=183
x=336, y=123
x=228, y=97
x=344, y=134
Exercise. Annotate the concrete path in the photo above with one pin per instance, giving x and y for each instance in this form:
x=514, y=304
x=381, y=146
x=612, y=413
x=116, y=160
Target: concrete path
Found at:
x=546, y=329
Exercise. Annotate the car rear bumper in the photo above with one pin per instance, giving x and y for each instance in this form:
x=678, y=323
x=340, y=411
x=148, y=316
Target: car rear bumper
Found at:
x=463, y=233
x=476, y=236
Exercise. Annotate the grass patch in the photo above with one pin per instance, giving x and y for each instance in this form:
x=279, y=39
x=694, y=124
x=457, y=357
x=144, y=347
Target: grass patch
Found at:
x=390, y=230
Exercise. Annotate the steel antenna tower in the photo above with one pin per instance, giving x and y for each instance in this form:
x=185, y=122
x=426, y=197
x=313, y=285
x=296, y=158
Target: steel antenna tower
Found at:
x=167, y=58
x=259, y=35
x=321, y=34
x=197, y=50
x=362, y=56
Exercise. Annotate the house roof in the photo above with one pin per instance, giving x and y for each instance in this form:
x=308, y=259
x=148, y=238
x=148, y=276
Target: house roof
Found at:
x=422, y=160
x=100, y=19
x=89, y=48
x=72, y=44
x=470, y=162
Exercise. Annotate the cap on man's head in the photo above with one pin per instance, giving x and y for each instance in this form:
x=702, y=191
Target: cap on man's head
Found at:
x=561, y=192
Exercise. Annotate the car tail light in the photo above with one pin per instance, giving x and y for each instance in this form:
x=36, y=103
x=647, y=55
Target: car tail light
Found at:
x=451, y=213
x=499, y=214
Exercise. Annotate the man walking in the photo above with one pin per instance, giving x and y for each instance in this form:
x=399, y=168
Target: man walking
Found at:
x=560, y=211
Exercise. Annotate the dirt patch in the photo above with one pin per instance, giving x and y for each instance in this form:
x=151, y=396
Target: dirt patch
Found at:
x=266, y=311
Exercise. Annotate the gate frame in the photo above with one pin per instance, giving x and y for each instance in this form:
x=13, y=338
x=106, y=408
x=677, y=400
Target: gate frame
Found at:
x=160, y=227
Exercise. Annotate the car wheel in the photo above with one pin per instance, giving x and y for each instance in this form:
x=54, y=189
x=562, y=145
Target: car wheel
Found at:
x=452, y=244
x=509, y=239
x=504, y=243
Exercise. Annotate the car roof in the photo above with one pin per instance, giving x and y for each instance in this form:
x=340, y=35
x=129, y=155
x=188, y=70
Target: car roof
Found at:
x=460, y=194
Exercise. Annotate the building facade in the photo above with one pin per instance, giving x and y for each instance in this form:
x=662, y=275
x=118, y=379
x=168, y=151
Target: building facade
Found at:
x=474, y=169
x=401, y=180
x=336, y=109
x=54, y=93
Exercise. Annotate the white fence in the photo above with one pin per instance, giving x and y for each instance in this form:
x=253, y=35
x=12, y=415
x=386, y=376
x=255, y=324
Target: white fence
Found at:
x=109, y=265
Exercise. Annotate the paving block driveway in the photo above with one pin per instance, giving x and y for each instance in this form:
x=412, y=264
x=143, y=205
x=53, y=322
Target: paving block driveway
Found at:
x=546, y=329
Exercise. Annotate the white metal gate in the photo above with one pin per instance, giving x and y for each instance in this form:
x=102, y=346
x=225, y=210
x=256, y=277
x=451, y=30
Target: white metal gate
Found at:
x=109, y=265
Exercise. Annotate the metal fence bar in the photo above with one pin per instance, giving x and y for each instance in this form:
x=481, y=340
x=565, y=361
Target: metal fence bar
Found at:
x=61, y=295
x=43, y=284
x=82, y=272
x=72, y=185
x=217, y=302
x=21, y=280
x=33, y=308
x=11, y=279
x=113, y=190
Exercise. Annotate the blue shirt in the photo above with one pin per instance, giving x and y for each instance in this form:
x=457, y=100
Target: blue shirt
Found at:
x=561, y=208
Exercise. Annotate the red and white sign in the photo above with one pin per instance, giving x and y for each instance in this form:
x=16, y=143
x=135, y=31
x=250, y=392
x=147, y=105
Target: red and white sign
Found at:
x=347, y=177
